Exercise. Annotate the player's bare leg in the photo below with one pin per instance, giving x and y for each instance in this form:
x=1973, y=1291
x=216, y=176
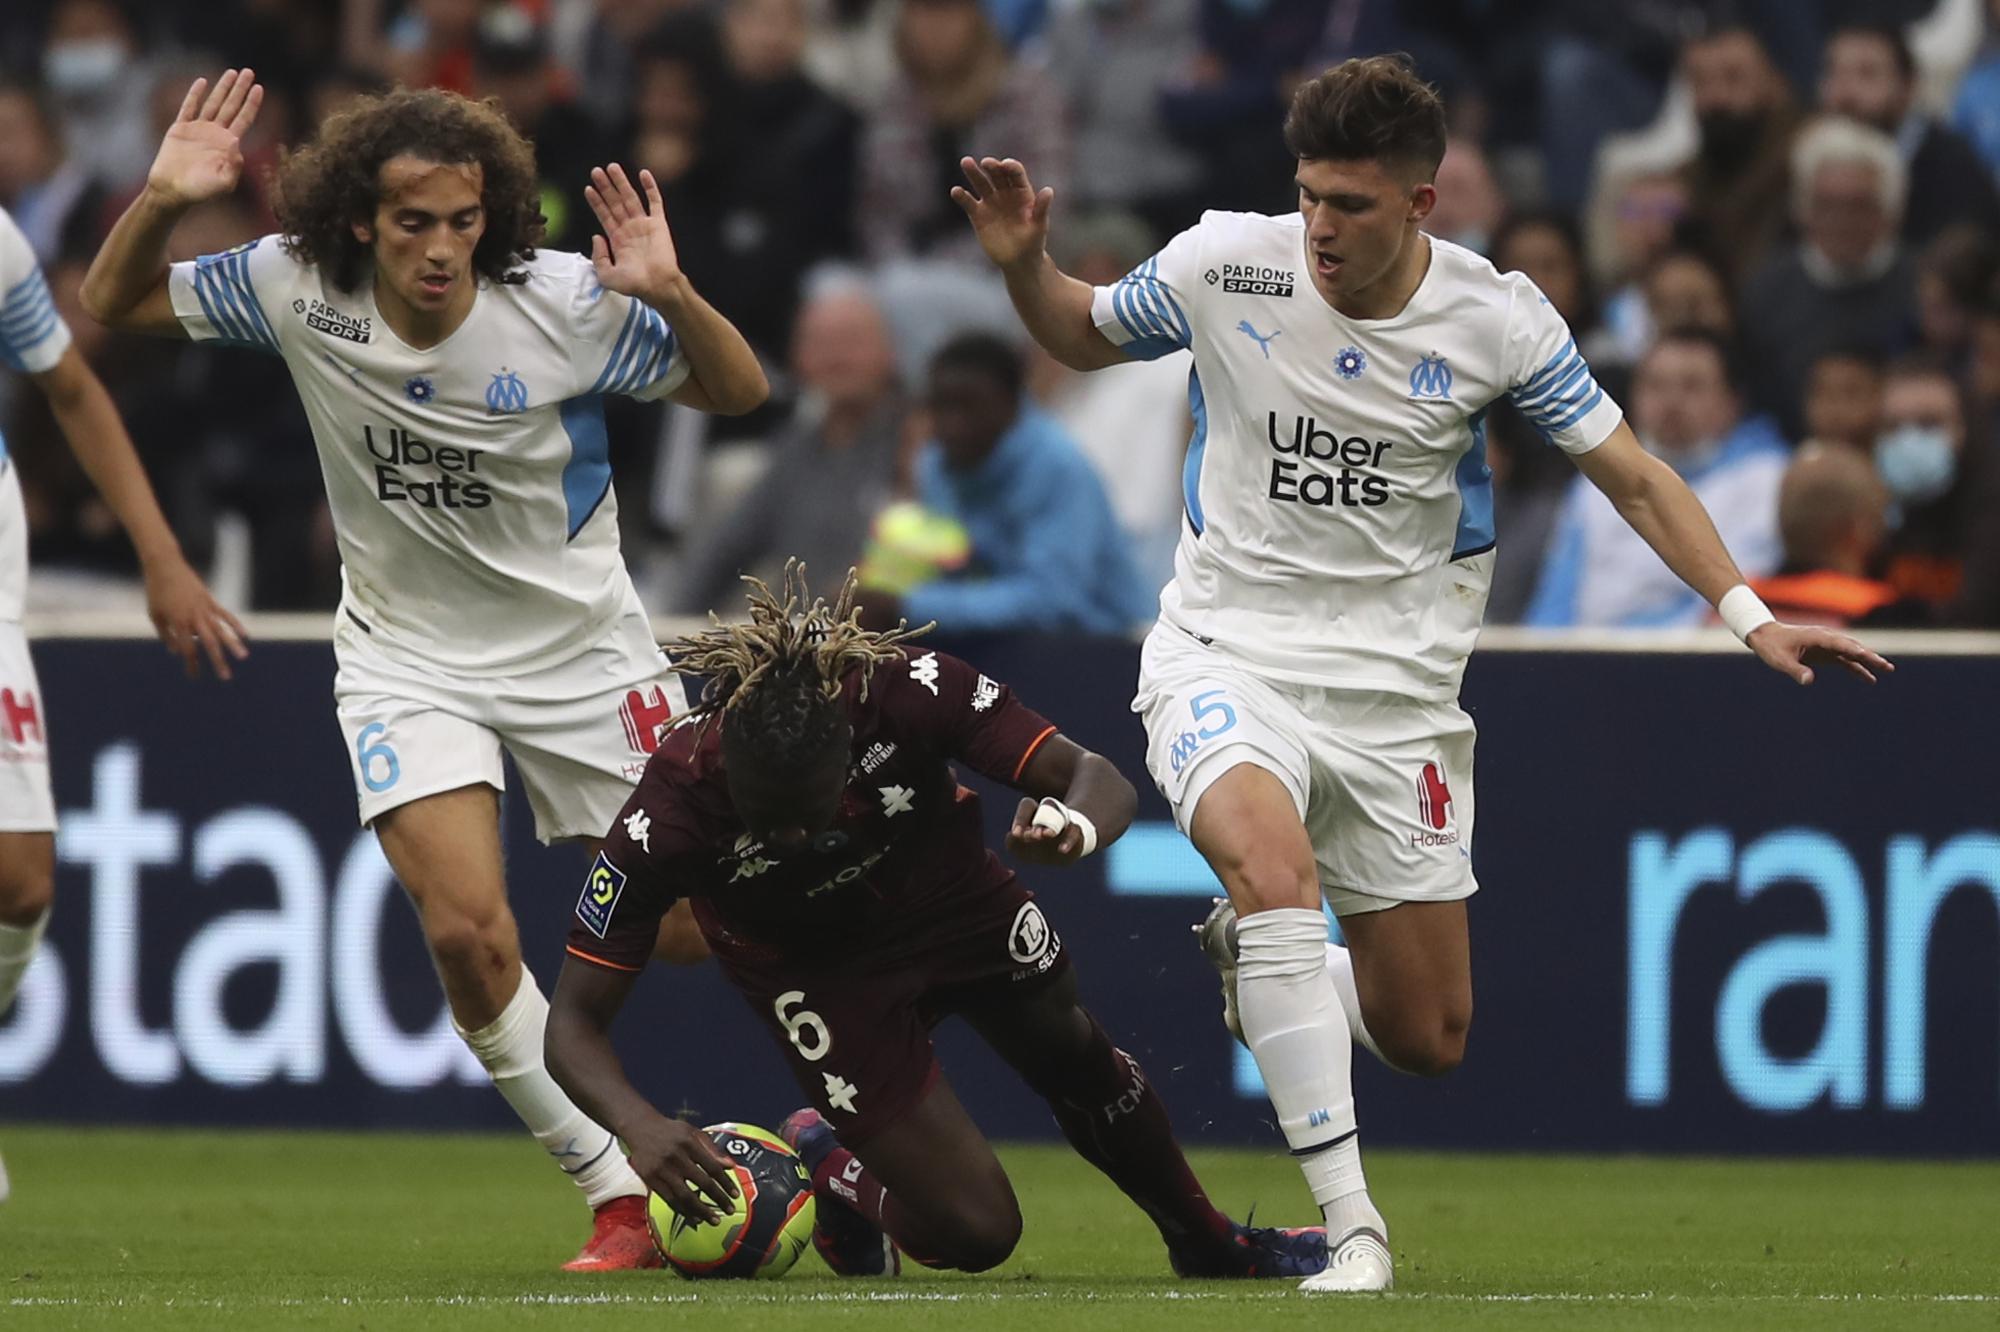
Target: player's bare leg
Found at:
x=1250, y=832
x=27, y=886
x=1413, y=971
x=1111, y=1114
x=445, y=849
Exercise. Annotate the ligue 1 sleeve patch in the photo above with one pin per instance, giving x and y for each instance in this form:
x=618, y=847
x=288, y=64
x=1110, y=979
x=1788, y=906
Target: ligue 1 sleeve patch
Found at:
x=600, y=896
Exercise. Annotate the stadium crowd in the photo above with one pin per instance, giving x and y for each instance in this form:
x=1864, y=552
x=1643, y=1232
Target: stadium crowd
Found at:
x=1773, y=226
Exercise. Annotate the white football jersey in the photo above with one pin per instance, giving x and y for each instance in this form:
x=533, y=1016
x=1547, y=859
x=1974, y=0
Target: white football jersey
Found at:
x=1339, y=510
x=33, y=338
x=469, y=482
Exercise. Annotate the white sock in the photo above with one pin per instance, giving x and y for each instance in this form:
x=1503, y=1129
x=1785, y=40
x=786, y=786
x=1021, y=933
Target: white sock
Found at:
x=1295, y=1026
x=510, y=1047
x=1340, y=966
x=17, y=951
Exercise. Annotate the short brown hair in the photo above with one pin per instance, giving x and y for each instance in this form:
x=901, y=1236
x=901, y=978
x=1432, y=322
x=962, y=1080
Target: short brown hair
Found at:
x=324, y=188
x=1373, y=109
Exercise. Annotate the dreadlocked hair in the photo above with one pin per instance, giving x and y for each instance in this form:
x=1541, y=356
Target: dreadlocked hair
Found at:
x=774, y=678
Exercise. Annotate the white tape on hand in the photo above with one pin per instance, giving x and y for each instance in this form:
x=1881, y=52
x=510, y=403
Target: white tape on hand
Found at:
x=1054, y=816
x=1743, y=611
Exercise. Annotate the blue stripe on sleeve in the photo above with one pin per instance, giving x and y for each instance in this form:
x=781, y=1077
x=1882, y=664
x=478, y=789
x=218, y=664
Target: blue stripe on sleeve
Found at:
x=1579, y=413
x=1575, y=386
x=1142, y=319
x=620, y=352
x=1540, y=378
x=215, y=304
x=1552, y=386
x=1166, y=295
x=240, y=263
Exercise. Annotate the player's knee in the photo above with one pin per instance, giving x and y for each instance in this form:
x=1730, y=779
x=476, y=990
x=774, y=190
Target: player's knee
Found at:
x=1269, y=881
x=1430, y=1049
x=27, y=886
x=984, y=1241
x=470, y=942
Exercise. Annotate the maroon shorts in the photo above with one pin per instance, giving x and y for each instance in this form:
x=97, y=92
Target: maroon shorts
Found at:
x=857, y=1029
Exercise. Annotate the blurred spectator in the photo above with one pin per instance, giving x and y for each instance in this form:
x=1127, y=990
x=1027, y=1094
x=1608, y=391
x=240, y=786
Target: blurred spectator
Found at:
x=1937, y=473
x=1131, y=420
x=1870, y=76
x=511, y=62
x=1645, y=209
x=429, y=44
x=1687, y=412
x=959, y=94
x=331, y=92
x=1736, y=183
x=94, y=66
x=598, y=43
x=1546, y=246
x=1685, y=289
x=1113, y=59
x=1046, y=550
x=1833, y=516
x=1469, y=203
x=833, y=465
x=1843, y=403
x=1847, y=282
x=1976, y=111
x=1953, y=276
x=1604, y=68
x=49, y=194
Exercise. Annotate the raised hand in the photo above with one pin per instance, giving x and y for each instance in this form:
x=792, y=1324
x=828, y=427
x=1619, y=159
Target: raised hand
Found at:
x=1791, y=649
x=635, y=256
x=1010, y=217
x=201, y=156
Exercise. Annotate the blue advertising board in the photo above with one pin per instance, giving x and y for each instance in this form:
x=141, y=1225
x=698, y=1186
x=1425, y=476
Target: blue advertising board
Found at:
x=1719, y=913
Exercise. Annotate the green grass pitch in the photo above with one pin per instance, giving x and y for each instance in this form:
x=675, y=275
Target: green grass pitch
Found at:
x=155, y=1229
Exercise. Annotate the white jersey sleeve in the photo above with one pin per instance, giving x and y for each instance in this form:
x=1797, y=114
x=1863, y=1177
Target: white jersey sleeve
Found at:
x=33, y=336
x=1145, y=313
x=1547, y=377
x=622, y=345
x=234, y=297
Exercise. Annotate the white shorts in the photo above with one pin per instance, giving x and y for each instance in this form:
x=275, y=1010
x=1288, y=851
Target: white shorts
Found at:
x=579, y=732
x=26, y=802
x=1383, y=782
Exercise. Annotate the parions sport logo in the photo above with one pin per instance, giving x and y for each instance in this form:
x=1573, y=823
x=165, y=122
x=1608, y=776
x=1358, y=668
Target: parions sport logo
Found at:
x=409, y=470
x=323, y=318
x=1256, y=280
x=1356, y=485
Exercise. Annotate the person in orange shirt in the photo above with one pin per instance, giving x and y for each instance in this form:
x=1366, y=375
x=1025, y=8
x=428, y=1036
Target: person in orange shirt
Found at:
x=1833, y=517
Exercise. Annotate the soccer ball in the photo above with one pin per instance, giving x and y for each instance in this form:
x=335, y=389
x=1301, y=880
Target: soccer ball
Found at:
x=772, y=1222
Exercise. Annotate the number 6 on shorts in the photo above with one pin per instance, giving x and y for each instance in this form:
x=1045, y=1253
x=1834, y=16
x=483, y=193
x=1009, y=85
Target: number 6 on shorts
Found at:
x=803, y=1024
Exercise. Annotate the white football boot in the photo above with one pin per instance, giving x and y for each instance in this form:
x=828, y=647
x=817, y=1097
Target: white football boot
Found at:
x=1358, y=1264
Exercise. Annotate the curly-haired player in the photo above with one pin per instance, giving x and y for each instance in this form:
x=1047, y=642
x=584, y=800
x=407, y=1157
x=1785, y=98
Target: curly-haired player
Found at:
x=839, y=873
x=453, y=377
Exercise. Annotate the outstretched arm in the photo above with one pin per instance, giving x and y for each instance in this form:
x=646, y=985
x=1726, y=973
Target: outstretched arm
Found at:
x=186, y=615
x=1086, y=784
x=677, y=1160
x=1660, y=508
x=1011, y=219
x=200, y=158
x=636, y=256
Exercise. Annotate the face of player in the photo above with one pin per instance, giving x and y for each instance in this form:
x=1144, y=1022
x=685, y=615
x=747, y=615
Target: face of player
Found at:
x=1861, y=79
x=1681, y=399
x=1361, y=226
x=787, y=811
x=428, y=220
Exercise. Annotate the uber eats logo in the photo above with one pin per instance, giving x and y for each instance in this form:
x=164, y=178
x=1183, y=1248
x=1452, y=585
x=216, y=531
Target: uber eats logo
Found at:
x=415, y=471
x=1350, y=470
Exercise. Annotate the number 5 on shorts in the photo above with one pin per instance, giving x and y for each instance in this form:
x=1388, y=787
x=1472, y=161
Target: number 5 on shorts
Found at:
x=1204, y=710
x=374, y=756
x=809, y=1034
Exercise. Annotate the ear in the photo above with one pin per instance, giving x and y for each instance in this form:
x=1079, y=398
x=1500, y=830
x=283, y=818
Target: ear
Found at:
x=1422, y=199
x=363, y=232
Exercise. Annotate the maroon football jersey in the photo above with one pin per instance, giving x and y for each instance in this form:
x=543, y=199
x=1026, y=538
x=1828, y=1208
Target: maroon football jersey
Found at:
x=914, y=837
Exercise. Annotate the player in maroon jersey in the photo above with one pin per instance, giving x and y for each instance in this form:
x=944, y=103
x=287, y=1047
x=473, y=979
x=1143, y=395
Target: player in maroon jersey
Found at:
x=809, y=813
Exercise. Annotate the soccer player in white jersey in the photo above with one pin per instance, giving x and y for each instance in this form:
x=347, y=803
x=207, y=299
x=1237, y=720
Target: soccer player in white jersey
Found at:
x=1300, y=689
x=453, y=378
x=35, y=341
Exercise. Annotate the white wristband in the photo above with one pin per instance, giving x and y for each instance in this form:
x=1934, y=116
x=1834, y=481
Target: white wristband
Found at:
x=1743, y=611
x=1053, y=814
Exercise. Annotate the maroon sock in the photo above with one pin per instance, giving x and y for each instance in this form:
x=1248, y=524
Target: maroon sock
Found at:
x=1117, y=1122
x=841, y=1175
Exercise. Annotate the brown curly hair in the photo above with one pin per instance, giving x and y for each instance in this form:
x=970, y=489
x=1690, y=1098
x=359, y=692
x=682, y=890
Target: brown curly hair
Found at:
x=327, y=186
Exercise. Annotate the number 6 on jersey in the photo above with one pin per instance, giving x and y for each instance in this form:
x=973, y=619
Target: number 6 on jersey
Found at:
x=802, y=1025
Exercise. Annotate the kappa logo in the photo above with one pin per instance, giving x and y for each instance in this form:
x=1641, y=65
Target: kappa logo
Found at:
x=600, y=896
x=639, y=827
x=985, y=694
x=897, y=800
x=924, y=670
x=1430, y=379
x=1434, y=808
